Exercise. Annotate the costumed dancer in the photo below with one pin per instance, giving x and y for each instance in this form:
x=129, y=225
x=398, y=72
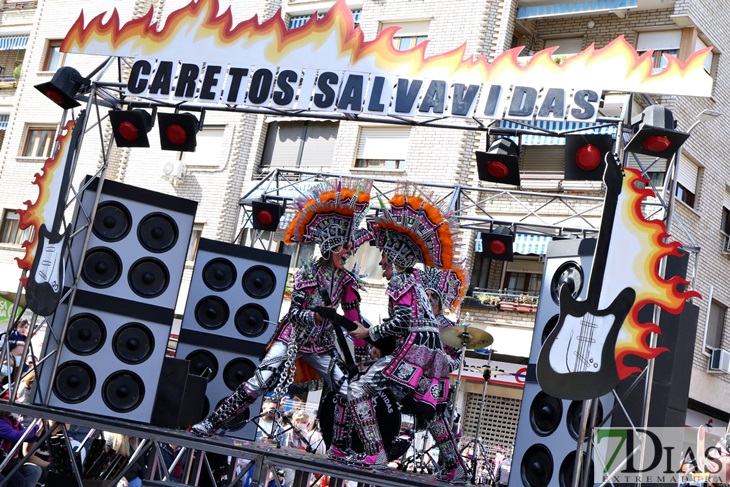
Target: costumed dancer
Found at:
x=445, y=289
x=328, y=217
x=412, y=230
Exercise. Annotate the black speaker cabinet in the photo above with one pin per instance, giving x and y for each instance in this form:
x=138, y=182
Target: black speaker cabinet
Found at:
x=231, y=313
x=110, y=361
x=180, y=395
x=138, y=243
x=547, y=430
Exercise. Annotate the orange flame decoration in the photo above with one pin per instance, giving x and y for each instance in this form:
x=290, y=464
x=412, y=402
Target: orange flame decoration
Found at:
x=198, y=32
x=641, y=248
x=49, y=191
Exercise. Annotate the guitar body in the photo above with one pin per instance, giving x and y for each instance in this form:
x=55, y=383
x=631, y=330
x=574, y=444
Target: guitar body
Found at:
x=45, y=282
x=577, y=360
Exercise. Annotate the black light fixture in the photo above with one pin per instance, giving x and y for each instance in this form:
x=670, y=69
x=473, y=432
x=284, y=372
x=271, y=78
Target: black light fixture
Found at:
x=657, y=135
x=131, y=127
x=178, y=131
x=500, y=164
x=498, y=244
x=266, y=215
x=585, y=156
x=66, y=83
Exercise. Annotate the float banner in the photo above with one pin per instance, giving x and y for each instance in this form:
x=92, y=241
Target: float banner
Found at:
x=201, y=56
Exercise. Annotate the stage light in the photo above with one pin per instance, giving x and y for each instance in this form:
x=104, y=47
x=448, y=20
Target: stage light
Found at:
x=500, y=164
x=266, y=215
x=131, y=127
x=498, y=244
x=64, y=86
x=657, y=135
x=585, y=156
x=178, y=131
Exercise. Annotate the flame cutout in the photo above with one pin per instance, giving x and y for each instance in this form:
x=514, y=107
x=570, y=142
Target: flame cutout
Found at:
x=639, y=245
x=197, y=32
x=49, y=192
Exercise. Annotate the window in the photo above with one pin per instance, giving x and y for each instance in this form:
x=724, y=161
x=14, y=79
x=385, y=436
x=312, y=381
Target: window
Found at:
x=194, y=241
x=299, y=20
x=298, y=144
x=382, y=147
x=367, y=259
x=301, y=253
x=409, y=35
x=38, y=142
x=687, y=181
x=715, y=325
x=523, y=276
x=662, y=42
x=655, y=168
x=10, y=232
x=209, y=149
x=55, y=58
x=566, y=45
x=699, y=44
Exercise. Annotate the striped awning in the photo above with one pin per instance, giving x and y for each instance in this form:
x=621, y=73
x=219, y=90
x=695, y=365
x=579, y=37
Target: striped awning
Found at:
x=4, y=121
x=557, y=127
x=13, y=43
x=524, y=243
x=300, y=20
x=576, y=7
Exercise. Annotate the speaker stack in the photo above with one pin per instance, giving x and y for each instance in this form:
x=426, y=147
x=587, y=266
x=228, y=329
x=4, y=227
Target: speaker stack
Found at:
x=547, y=431
x=120, y=320
x=231, y=314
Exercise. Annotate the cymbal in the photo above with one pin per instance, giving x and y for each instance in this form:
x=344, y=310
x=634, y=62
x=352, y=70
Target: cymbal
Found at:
x=470, y=336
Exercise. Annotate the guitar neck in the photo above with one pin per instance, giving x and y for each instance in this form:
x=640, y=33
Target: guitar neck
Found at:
x=614, y=181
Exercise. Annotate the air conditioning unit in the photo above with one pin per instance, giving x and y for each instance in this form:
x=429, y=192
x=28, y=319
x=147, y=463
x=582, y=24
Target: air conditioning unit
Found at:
x=173, y=170
x=719, y=362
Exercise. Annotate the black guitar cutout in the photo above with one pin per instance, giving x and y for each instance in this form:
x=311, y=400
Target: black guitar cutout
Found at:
x=577, y=360
x=44, y=287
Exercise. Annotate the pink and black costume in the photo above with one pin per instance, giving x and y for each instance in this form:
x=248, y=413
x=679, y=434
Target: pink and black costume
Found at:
x=303, y=341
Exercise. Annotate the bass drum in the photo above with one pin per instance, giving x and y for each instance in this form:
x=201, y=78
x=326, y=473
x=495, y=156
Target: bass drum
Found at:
x=386, y=411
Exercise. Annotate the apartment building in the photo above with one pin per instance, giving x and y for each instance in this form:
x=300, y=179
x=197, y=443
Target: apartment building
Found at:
x=236, y=150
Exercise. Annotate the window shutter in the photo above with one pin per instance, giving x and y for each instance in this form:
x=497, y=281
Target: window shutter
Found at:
x=665, y=40
x=408, y=28
x=319, y=144
x=571, y=45
x=688, y=173
x=659, y=166
x=282, y=144
x=383, y=143
x=543, y=158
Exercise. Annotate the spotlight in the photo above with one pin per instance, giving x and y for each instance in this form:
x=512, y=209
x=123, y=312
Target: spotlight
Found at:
x=498, y=244
x=266, y=215
x=657, y=135
x=585, y=156
x=131, y=127
x=177, y=131
x=500, y=164
x=66, y=83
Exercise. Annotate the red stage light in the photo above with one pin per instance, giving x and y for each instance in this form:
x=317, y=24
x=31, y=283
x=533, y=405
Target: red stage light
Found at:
x=55, y=96
x=585, y=156
x=176, y=134
x=178, y=131
x=265, y=217
x=130, y=127
x=497, y=169
x=500, y=164
x=588, y=157
x=128, y=131
x=657, y=143
x=497, y=247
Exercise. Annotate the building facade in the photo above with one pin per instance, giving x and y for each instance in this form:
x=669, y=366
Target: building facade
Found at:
x=236, y=150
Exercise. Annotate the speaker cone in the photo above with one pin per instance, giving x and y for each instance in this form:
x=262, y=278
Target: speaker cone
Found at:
x=536, y=468
x=219, y=274
x=75, y=381
x=123, y=391
x=157, y=232
x=202, y=361
x=565, y=474
x=148, y=278
x=85, y=334
x=237, y=371
x=112, y=221
x=575, y=412
x=102, y=268
x=212, y=312
x=568, y=274
x=259, y=282
x=546, y=412
x=549, y=327
x=237, y=422
x=251, y=320
x=133, y=343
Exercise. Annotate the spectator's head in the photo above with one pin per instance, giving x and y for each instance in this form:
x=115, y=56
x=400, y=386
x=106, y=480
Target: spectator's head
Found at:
x=22, y=326
x=301, y=419
x=268, y=408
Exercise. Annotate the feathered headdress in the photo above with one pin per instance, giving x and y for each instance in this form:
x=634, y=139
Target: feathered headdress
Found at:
x=414, y=230
x=330, y=213
x=450, y=285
